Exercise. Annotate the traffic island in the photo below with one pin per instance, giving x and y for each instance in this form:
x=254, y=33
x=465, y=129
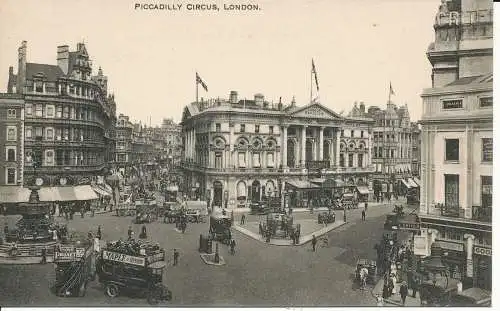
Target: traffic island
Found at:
x=308, y=223
x=210, y=259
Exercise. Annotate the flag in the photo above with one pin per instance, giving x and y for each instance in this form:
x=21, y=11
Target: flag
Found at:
x=200, y=81
x=315, y=75
x=391, y=91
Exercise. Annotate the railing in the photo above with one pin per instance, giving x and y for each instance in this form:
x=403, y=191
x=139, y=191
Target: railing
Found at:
x=65, y=168
x=482, y=213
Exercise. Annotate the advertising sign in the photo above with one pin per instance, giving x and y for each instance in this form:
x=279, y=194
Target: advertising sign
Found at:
x=482, y=251
x=118, y=257
x=421, y=247
x=156, y=257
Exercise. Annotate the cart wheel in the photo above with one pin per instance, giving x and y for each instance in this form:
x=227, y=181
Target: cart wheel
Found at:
x=112, y=290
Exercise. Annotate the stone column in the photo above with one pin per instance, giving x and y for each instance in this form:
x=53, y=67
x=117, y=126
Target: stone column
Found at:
x=337, y=149
x=284, y=147
x=231, y=162
x=303, y=146
x=321, y=129
x=469, y=251
x=468, y=191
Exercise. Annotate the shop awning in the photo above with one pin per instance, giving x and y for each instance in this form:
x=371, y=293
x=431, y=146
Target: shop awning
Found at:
x=101, y=191
x=85, y=193
x=363, y=189
x=412, y=183
x=417, y=181
x=14, y=194
x=302, y=184
x=405, y=183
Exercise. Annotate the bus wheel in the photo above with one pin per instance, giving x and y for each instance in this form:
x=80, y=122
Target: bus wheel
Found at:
x=111, y=290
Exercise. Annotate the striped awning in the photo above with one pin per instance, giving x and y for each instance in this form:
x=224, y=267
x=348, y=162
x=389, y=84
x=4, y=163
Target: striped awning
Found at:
x=101, y=190
x=405, y=183
x=14, y=194
x=363, y=189
x=302, y=184
x=412, y=183
x=417, y=181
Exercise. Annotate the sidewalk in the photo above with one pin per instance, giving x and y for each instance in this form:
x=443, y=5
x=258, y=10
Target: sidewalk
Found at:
x=23, y=260
x=396, y=298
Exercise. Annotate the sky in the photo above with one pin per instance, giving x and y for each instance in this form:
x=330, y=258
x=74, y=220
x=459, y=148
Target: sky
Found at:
x=151, y=56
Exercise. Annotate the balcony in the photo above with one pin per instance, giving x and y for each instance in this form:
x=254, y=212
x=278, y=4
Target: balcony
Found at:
x=482, y=213
x=62, y=121
x=64, y=169
x=65, y=143
x=479, y=213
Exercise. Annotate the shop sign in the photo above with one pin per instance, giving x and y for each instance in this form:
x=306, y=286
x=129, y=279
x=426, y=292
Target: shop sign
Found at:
x=482, y=251
x=411, y=226
x=133, y=260
x=156, y=257
x=459, y=247
x=420, y=245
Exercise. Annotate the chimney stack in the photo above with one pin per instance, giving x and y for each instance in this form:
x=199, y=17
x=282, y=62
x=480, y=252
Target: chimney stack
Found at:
x=233, y=97
x=259, y=100
x=292, y=104
x=21, y=69
x=63, y=58
x=362, y=107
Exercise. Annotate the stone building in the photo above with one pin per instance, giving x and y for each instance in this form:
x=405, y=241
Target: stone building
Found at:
x=69, y=117
x=124, y=129
x=11, y=140
x=238, y=151
x=167, y=143
x=392, y=152
x=457, y=142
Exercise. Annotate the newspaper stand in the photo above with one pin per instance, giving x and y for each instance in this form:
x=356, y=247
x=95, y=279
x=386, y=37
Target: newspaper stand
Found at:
x=133, y=267
x=75, y=267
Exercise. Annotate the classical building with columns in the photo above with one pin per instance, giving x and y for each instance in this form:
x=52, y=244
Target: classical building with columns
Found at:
x=457, y=142
x=238, y=151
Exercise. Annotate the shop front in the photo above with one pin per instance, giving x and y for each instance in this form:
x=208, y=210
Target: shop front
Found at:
x=483, y=267
x=454, y=258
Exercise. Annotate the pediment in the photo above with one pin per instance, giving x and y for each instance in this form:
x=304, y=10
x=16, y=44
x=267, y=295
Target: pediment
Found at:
x=316, y=111
x=186, y=114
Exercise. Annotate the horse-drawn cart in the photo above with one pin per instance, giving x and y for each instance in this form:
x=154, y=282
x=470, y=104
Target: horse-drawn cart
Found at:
x=366, y=272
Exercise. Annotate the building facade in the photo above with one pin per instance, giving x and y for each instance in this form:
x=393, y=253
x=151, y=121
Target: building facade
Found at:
x=392, y=153
x=11, y=139
x=416, y=142
x=239, y=151
x=167, y=143
x=124, y=137
x=457, y=142
x=69, y=117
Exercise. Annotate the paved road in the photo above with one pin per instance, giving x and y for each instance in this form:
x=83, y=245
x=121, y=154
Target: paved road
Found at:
x=258, y=275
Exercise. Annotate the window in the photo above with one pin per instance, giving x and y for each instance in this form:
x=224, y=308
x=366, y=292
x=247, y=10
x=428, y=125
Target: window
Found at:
x=49, y=157
x=362, y=133
x=11, y=176
x=487, y=149
x=10, y=154
x=11, y=113
x=38, y=110
x=59, y=157
x=271, y=129
x=451, y=190
x=49, y=134
x=342, y=133
x=360, y=160
x=342, y=160
x=486, y=191
x=28, y=109
x=59, y=110
x=486, y=102
x=392, y=153
x=352, y=133
x=217, y=127
x=257, y=128
x=270, y=159
x=242, y=128
x=256, y=160
x=452, y=104
x=218, y=160
x=66, y=112
x=49, y=111
x=241, y=159
x=351, y=160
x=28, y=132
x=39, y=87
x=452, y=150
x=38, y=132
x=11, y=133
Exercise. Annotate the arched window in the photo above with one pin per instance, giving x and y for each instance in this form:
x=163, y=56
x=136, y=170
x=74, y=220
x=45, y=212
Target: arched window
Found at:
x=241, y=190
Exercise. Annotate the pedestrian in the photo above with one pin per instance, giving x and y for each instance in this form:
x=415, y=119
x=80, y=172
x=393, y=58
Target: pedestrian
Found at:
x=363, y=215
x=403, y=291
x=99, y=233
x=176, y=257
x=314, y=241
x=233, y=245
x=130, y=232
x=415, y=286
x=366, y=206
x=242, y=222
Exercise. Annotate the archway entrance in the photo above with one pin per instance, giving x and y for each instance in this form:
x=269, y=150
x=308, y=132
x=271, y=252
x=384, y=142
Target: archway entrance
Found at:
x=255, y=191
x=290, y=153
x=218, y=193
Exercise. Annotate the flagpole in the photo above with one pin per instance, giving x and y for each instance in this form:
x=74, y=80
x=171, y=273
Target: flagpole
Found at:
x=196, y=87
x=390, y=89
x=311, y=95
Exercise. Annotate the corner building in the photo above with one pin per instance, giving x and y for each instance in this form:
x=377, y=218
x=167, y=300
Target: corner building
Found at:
x=69, y=118
x=241, y=151
x=457, y=142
